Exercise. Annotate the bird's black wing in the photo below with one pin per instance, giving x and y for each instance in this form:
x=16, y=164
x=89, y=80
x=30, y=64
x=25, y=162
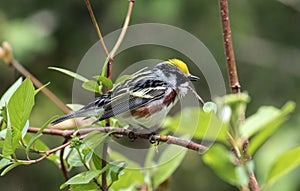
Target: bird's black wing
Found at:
x=141, y=93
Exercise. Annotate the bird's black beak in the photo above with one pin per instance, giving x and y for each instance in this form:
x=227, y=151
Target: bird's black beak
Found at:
x=193, y=78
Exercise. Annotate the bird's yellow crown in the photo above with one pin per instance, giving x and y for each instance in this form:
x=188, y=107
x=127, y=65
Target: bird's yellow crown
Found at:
x=180, y=65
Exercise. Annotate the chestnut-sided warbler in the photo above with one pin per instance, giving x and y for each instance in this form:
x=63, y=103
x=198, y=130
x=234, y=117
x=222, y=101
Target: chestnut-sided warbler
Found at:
x=142, y=100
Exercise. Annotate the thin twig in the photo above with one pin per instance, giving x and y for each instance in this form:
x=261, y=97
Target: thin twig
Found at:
x=47, y=153
x=14, y=63
x=202, y=102
x=62, y=163
x=103, y=164
x=228, y=48
x=124, y=29
x=89, y=7
x=121, y=38
x=253, y=185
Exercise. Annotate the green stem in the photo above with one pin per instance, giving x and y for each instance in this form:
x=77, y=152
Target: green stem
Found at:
x=81, y=159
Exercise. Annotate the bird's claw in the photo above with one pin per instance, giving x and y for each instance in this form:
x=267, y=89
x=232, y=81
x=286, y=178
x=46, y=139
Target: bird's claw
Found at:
x=131, y=135
x=152, y=138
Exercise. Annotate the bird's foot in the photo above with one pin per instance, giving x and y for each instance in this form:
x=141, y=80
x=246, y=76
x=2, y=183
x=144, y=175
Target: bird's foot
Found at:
x=131, y=135
x=152, y=138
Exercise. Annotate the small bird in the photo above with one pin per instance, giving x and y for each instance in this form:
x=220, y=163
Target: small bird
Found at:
x=144, y=99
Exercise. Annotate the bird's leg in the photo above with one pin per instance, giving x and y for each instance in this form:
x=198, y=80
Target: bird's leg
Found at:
x=151, y=138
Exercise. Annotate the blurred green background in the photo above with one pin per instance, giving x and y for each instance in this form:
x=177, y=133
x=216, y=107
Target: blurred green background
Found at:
x=267, y=47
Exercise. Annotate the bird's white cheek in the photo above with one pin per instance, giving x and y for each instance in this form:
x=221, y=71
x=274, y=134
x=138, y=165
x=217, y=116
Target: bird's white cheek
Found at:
x=183, y=89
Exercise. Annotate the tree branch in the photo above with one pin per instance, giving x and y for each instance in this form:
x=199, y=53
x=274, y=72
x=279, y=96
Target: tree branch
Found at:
x=124, y=132
x=38, y=84
x=228, y=48
x=89, y=7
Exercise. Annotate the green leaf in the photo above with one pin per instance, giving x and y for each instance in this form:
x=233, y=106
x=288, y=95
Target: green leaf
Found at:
x=236, y=99
x=91, y=85
x=129, y=177
x=8, y=145
x=107, y=82
x=84, y=177
x=38, y=135
x=19, y=108
x=73, y=159
x=115, y=170
x=169, y=161
x=264, y=123
x=265, y=116
x=220, y=160
x=231, y=110
x=38, y=90
x=93, y=140
x=283, y=164
x=9, y=168
x=90, y=145
x=4, y=162
x=7, y=95
x=120, y=157
x=197, y=123
x=38, y=144
x=92, y=186
x=70, y=73
x=132, y=173
x=24, y=130
x=97, y=161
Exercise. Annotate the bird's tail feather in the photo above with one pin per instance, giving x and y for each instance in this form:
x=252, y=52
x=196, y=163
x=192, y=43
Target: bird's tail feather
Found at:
x=79, y=113
x=62, y=118
x=94, y=108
